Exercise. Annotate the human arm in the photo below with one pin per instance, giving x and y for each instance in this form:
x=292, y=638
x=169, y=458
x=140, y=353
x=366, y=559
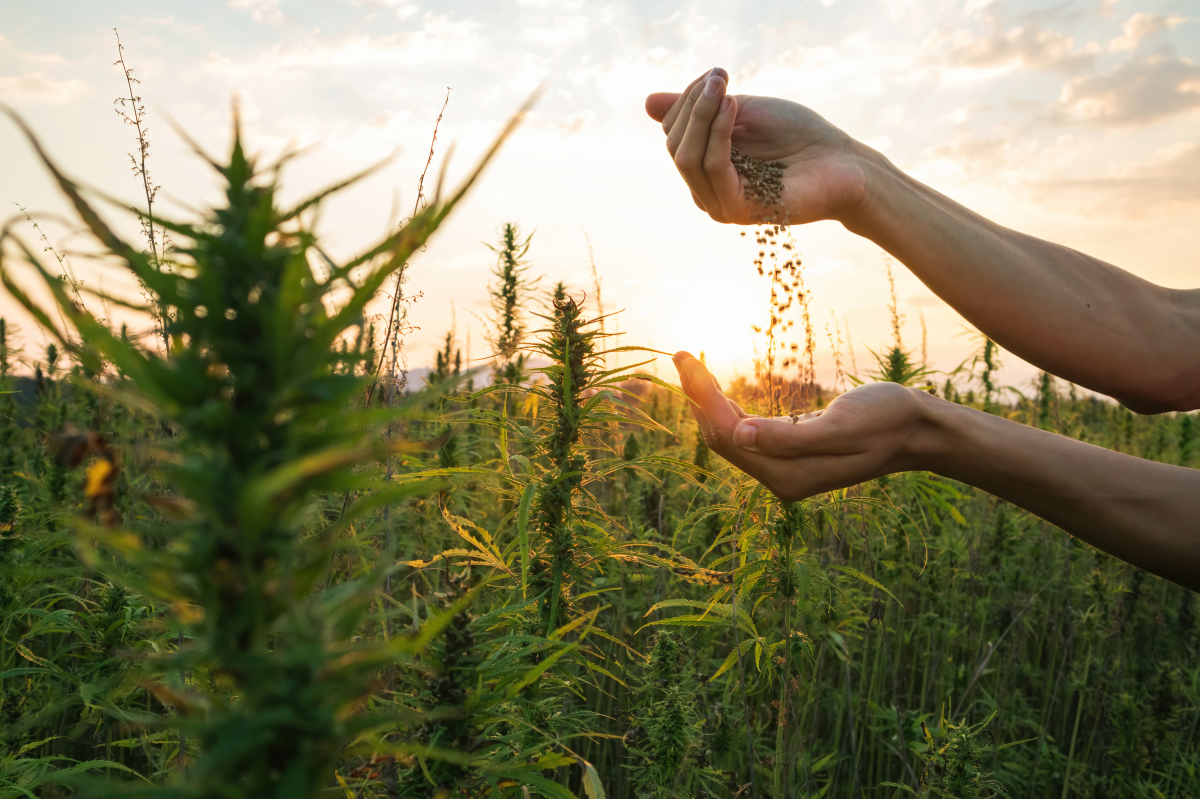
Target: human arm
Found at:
x=1143, y=512
x=1070, y=314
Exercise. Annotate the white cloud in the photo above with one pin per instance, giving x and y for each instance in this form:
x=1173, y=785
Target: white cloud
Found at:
x=1141, y=26
x=576, y=122
x=1028, y=46
x=565, y=5
x=441, y=40
x=37, y=88
x=260, y=10
x=51, y=59
x=881, y=143
x=402, y=8
x=562, y=31
x=1168, y=181
x=1137, y=92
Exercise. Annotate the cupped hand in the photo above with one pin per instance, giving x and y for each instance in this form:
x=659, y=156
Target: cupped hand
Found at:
x=822, y=178
x=865, y=433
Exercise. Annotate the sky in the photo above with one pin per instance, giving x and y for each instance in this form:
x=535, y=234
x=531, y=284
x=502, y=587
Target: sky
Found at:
x=1078, y=122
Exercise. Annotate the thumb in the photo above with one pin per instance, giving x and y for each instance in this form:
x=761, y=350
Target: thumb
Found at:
x=659, y=103
x=783, y=438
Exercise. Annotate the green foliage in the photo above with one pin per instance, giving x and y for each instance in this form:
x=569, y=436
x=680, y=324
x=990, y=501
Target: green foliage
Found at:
x=959, y=767
x=666, y=717
x=256, y=390
x=221, y=573
x=447, y=361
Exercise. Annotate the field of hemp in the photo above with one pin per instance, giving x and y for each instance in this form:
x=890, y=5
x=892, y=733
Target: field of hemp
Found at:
x=217, y=582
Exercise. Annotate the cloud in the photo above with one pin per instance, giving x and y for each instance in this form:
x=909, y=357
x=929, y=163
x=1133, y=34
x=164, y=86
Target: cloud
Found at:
x=440, y=41
x=563, y=32
x=1137, y=92
x=403, y=8
x=52, y=59
x=974, y=153
x=37, y=88
x=1168, y=181
x=576, y=122
x=1142, y=26
x=260, y=10
x=1029, y=46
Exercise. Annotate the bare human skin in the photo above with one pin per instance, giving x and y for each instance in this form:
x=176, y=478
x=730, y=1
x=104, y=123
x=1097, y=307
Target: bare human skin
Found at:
x=1068, y=313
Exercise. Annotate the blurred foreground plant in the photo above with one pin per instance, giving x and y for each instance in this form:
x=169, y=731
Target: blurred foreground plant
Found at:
x=255, y=391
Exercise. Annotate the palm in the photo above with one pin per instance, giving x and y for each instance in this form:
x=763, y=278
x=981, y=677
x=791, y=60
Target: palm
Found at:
x=855, y=439
x=819, y=179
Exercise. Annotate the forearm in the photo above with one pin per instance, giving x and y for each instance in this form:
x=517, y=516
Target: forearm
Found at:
x=1068, y=313
x=1143, y=512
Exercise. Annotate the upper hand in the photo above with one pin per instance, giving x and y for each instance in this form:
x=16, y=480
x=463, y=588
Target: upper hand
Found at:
x=822, y=178
x=867, y=432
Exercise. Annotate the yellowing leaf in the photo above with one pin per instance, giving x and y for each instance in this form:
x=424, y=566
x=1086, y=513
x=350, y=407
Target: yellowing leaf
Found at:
x=591, y=782
x=98, y=478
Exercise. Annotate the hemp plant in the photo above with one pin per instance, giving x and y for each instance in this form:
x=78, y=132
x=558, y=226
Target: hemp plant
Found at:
x=255, y=391
x=466, y=694
x=565, y=536
x=958, y=769
x=509, y=295
x=668, y=738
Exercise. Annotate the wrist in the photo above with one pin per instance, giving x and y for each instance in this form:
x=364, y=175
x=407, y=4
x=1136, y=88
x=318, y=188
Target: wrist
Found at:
x=934, y=440
x=882, y=181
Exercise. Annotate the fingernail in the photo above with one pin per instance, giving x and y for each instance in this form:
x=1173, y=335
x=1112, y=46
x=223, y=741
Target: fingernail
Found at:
x=724, y=105
x=712, y=86
x=745, y=434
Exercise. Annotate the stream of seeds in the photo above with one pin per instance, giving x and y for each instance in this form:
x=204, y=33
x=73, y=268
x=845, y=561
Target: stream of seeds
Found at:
x=763, y=180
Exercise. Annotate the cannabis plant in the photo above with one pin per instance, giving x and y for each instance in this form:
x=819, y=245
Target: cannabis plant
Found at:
x=510, y=294
x=960, y=767
x=667, y=738
x=255, y=394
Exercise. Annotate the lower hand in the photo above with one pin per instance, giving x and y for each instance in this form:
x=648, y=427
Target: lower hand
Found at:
x=822, y=178
x=867, y=432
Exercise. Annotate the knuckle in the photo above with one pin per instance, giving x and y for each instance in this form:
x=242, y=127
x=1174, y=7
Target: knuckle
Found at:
x=721, y=437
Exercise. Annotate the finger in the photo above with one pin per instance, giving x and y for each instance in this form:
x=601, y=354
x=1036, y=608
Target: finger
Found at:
x=718, y=165
x=677, y=107
x=691, y=157
x=659, y=104
x=679, y=359
x=702, y=420
x=706, y=393
x=681, y=105
x=696, y=200
x=676, y=122
x=739, y=410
